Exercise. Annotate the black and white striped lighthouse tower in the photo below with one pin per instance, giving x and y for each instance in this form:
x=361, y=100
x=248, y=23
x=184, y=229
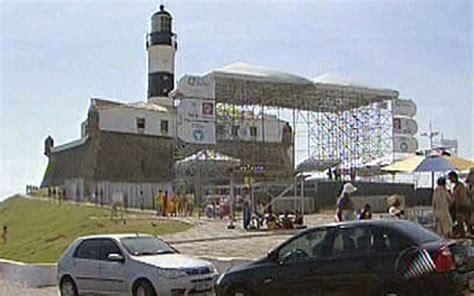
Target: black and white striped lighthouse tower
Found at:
x=161, y=46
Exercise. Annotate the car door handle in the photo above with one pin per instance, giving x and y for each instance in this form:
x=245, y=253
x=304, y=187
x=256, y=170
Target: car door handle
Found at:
x=268, y=281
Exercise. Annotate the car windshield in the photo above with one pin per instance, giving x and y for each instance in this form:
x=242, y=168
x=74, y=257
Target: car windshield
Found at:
x=417, y=233
x=142, y=246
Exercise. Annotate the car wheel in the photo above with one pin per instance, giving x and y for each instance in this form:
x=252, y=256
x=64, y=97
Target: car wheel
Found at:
x=68, y=287
x=238, y=291
x=390, y=291
x=143, y=288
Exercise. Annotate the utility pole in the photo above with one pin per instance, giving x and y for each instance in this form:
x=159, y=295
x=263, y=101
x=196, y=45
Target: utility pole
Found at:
x=430, y=135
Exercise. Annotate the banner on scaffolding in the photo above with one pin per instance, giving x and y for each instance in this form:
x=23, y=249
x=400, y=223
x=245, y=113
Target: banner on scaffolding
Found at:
x=191, y=86
x=404, y=125
x=405, y=144
x=197, y=121
x=197, y=132
x=402, y=107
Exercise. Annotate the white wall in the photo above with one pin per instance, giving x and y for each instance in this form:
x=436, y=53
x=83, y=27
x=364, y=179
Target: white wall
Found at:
x=123, y=119
x=30, y=275
x=131, y=191
x=74, y=189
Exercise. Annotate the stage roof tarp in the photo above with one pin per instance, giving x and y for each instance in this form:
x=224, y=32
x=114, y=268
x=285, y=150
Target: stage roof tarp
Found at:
x=244, y=84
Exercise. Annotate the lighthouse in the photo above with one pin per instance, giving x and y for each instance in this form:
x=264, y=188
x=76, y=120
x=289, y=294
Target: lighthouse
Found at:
x=161, y=47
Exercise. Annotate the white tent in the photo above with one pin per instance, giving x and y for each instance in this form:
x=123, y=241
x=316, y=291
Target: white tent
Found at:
x=245, y=84
x=209, y=155
x=258, y=73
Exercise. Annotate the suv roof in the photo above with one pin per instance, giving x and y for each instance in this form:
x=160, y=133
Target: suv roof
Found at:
x=115, y=236
x=377, y=222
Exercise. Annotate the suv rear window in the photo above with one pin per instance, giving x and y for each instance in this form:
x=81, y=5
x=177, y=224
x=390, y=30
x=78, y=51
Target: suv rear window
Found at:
x=417, y=233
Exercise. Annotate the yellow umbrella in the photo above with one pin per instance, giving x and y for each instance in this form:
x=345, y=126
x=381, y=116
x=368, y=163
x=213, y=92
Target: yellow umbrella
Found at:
x=407, y=165
x=460, y=164
x=433, y=163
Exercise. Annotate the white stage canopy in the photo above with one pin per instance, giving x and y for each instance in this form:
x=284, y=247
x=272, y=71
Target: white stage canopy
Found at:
x=244, y=84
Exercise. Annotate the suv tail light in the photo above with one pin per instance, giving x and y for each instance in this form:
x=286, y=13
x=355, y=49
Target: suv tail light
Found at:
x=444, y=261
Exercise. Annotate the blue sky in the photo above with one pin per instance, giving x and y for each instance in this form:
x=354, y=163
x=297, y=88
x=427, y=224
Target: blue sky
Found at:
x=56, y=55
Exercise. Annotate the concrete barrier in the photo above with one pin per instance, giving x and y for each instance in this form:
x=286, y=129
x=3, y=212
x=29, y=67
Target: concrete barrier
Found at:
x=43, y=275
x=30, y=275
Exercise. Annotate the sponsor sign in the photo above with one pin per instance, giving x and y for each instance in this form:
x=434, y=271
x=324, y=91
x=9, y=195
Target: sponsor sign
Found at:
x=196, y=87
x=197, y=121
x=404, y=125
x=197, y=109
x=197, y=132
x=402, y=107
x=405, y=144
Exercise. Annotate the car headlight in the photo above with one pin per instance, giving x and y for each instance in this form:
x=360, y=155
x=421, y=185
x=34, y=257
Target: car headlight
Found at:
x=213, y=269
x=171, y=273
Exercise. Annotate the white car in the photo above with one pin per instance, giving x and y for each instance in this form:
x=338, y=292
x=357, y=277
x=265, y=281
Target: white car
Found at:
x=130, y=264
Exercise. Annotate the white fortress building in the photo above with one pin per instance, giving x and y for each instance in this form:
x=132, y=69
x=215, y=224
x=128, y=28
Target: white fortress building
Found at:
x=131, y=148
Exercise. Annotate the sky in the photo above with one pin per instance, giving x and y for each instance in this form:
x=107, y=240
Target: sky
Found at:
x=56, y=55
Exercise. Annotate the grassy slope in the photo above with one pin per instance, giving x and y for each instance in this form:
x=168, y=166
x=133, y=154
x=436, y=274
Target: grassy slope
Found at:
x=39, y=231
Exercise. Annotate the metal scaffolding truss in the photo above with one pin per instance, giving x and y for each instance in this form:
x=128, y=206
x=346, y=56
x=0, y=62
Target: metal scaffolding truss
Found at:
x=351, y=137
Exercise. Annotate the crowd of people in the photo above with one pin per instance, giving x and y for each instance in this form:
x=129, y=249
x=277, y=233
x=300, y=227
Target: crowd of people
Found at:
x=454, y=209
x=177, y=205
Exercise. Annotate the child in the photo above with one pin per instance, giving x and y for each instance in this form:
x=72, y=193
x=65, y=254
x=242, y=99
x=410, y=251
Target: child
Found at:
x=365, y=213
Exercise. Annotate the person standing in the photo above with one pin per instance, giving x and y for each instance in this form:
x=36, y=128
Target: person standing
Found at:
x=460, y=202
x=246, y=210
x=5, y=235
x=345, y=206
x=470, y=193
x=165, y=204
x=159, y=202
x=441, y=203
x=142, y=200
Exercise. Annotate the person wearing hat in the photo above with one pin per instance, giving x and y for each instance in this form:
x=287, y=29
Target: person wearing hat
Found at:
x=345, y=206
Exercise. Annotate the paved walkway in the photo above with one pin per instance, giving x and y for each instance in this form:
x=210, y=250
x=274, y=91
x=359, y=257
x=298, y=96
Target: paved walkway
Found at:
x=211, y=238
x=15, y=289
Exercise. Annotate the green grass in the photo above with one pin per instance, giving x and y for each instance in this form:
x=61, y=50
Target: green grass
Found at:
x=39, y=230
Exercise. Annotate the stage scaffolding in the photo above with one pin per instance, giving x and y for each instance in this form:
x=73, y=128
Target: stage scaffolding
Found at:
x=348, y=125
x=329, y=122
x=352, y=137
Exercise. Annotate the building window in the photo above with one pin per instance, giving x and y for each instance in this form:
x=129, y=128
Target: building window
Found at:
x=235, y=130
x=164, y=127
x=253, y=131
x=141, y=124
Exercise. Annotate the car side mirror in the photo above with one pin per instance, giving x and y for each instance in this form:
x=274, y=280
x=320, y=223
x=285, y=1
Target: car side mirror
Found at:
x=273, y=256
x=116, y=258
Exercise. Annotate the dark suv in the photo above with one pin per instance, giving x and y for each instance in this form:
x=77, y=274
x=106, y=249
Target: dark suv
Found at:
x=384, y=257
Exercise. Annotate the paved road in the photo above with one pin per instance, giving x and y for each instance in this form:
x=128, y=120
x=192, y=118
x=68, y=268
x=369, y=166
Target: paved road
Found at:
x=11, y=289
